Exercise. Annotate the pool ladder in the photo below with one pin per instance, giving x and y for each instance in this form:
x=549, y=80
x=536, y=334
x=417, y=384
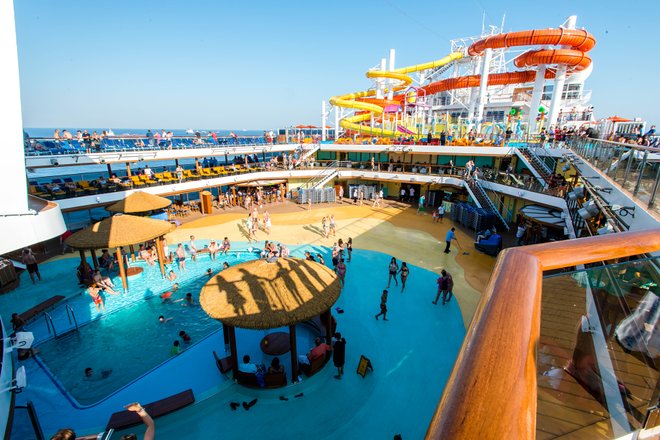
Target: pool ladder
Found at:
x=72, y=320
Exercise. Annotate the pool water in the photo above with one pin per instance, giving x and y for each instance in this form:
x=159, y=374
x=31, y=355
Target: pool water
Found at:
x=127, y=339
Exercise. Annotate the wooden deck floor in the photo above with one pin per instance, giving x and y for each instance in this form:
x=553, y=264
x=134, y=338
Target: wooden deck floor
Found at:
x=567, y=410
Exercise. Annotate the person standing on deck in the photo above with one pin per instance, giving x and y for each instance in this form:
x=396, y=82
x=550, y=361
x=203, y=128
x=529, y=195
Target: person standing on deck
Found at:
x=181, y=257
x=339, y=354
x=451, y=235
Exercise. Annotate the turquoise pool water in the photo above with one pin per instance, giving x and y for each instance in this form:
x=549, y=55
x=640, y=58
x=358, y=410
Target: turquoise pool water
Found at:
x=128, y=340
x=412, y=355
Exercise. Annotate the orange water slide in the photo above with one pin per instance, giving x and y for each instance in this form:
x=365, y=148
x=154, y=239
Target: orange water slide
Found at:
x=576, y=58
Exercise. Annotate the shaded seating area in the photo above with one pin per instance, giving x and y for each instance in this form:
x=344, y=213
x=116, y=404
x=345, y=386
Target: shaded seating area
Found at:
x=43, y=306
x=126, y=419
x=116, y=232
x=491, y=245
x=262, y=295
x=316, y=365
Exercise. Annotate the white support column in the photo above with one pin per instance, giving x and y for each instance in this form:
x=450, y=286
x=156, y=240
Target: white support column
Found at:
x=473, y=95
x=560, y=80
x=324, y=120
x=536, y=99
x=336, y=122
x=390, y=83
x=380, y=82
x=483, y=87
x=12, y=166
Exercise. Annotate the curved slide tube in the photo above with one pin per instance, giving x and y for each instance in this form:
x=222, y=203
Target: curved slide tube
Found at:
x=579, y=41
x=362, y=101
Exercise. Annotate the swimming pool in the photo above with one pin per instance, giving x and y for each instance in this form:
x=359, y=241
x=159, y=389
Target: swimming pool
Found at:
x=123, y=344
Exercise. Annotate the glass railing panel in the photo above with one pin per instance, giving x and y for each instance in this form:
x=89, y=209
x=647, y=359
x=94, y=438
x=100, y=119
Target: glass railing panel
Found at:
x=598, y=351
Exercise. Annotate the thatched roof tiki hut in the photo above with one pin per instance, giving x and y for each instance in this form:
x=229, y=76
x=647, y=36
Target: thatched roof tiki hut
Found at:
x=262, y=295
x=117, y=231
x=139, y=202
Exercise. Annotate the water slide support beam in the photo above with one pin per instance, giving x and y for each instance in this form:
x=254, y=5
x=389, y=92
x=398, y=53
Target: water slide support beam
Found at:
x=560, y=80
x=483, y=87
x=536, y=99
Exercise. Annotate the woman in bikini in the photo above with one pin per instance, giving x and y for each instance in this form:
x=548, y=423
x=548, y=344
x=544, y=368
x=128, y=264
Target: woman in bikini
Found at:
x=394, y=268
x=349, y=248
x=404, y=271
x=324, y=225
x=341, y=271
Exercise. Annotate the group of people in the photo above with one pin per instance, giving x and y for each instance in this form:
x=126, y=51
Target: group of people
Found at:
x=339, y=249
x=253, y=223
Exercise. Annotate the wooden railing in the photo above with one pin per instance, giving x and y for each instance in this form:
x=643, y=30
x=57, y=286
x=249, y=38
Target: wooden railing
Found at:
x=492, y=391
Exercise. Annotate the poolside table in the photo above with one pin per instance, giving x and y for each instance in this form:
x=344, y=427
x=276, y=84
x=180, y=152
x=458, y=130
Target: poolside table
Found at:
x=276, y=344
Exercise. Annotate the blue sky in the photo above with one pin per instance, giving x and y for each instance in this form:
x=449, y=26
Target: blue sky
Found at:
x=267, y=64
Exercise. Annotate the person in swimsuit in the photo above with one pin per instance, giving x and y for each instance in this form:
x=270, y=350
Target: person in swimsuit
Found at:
x=93, y=291
x=213, y=249
x=341, y=271
x=404, y=271
x=30, y=264
x=171, y=275
x=226, y=245
x=383, y=306
x=394, y=268
x=333, y=227
x=181, y=257
x=321, y=259
x=324, y=225
x=349, y=248
x=267, y=223
x=103, y=282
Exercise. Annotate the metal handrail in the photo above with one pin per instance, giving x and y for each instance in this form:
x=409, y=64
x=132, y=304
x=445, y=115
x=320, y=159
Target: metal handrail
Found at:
x=70, y=314
x=492, y=390
x=309, y=183
x=49, y=324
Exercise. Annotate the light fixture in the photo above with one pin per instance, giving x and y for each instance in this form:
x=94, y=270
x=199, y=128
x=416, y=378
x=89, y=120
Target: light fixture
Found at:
x=589, y=210
x=601, y=189
x=566, y=167
x=624, y=211
x=102, y=160
x=607, y=229
x=54, y=162
x=577, y=193
x=98, y=199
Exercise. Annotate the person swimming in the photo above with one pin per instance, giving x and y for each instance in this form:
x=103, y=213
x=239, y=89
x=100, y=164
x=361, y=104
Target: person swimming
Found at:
x=183, y=335
x=163, y=319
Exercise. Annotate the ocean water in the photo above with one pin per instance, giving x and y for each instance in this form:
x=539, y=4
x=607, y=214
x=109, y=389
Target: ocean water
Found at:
x=48, y=132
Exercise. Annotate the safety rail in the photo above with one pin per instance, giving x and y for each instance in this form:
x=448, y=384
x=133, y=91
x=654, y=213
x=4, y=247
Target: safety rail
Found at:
x=329, y=169
x=51, y=146
x=492, y=390
x=635, y=168
x=72, y=316
x=49, y=324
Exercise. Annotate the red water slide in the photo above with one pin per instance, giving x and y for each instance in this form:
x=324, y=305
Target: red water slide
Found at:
x=580, y=42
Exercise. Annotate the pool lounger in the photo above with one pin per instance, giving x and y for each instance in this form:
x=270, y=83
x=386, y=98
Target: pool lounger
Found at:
x=126, y=419
x=41, y=307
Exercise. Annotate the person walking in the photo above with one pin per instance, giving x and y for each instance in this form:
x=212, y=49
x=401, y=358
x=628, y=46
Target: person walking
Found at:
x=441, y=213
x=341, y=195
x=402, y=195
x=324, y=225
x=449, y=237
x=445, y=287
x=339, y=354
x=393, y=268
x=404, y=271
x=30, y=262
x=420, y=207
x=332, y=225
x=383, y=306
x=520, y=234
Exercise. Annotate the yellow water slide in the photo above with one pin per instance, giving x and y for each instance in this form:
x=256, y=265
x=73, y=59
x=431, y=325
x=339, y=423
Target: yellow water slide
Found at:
x=350, y=100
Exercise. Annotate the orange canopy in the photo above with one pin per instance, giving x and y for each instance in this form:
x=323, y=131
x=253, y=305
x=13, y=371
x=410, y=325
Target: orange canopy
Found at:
x=618, y=119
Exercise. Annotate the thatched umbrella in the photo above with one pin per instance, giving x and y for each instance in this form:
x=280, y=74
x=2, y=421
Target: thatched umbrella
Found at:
x=138, y=202
x=262, y=295
x=118, y=231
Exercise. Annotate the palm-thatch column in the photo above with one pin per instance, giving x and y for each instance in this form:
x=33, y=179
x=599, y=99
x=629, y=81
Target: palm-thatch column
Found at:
x=159, y=252
x=232, y=349
x=122, y=271
x=294, y=353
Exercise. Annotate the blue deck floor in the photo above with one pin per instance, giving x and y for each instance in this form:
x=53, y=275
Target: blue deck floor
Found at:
x=412, y=355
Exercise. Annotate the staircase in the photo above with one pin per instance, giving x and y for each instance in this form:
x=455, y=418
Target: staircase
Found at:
x=482, y=200
x=535, y=164
x=322, y=177
x=308, y=153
